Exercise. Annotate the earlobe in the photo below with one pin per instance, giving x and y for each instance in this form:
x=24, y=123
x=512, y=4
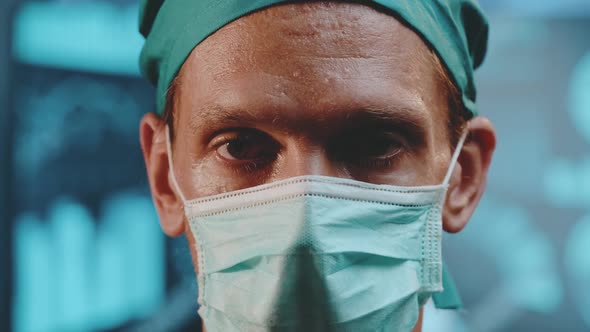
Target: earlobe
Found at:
x=167, y=202
x=469, y=177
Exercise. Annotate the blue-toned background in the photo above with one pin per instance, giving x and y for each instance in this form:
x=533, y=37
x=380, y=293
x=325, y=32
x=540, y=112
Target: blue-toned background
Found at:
x=80, y=245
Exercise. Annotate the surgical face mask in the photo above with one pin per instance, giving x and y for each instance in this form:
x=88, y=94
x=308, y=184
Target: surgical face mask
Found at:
x=316, y=253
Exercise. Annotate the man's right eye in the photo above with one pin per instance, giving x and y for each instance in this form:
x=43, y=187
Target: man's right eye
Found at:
x=246, y=146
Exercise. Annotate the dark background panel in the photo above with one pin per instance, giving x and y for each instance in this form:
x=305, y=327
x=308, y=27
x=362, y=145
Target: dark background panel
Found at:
x=6, y=201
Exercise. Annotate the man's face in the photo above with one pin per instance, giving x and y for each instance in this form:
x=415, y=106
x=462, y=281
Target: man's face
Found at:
x=332, y=89
x=336, y=90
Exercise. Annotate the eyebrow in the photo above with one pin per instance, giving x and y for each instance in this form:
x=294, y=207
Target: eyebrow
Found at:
x=409, y=120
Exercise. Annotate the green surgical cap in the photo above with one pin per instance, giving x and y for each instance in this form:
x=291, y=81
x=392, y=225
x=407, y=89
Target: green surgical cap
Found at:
x=455, y=29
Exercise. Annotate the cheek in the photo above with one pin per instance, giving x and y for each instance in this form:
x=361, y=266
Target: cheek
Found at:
x=414, y=170
x=438, y=163
x=210, y=177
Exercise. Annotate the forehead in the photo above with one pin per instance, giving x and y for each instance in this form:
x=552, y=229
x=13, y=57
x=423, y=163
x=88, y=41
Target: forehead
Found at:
x=319, y=57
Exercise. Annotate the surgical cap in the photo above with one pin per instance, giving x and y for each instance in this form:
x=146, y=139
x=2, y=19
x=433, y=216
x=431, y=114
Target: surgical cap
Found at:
x=455, y=29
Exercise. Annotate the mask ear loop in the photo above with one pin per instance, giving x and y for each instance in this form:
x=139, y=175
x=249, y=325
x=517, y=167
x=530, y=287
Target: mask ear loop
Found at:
x=455, y=158
x=171, y=166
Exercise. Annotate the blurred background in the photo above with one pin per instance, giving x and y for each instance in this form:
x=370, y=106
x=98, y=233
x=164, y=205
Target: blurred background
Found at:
x=80, y=244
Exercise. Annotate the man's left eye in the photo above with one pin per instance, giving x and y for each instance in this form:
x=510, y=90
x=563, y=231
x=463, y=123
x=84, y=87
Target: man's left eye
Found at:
x=380, y=148
x=248, y=146
x=370, y=150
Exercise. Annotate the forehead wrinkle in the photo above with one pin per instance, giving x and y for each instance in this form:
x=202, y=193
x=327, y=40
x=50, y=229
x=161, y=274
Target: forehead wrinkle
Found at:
x=294, y=25
x=316, y=18
x=251, y=39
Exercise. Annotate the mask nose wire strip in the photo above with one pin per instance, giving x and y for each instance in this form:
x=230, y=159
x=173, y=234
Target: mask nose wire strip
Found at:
x=171, y=166
x=455, y=157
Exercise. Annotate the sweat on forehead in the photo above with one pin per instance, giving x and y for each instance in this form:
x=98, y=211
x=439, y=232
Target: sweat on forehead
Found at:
x=289, y=37
x=329, y=27
x=318, y=78
x=455, y=29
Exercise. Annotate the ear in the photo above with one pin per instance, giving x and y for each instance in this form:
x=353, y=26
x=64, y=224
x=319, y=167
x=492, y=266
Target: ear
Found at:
x=469, y=177
x=168, y=204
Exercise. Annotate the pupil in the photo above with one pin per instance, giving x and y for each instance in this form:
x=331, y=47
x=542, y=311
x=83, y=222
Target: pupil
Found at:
x=237, y=148
x=378, y=148
x=251, y=147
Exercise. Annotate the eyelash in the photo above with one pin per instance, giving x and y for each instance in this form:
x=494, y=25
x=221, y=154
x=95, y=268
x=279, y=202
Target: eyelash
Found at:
x=380, y=163
x=248, y=168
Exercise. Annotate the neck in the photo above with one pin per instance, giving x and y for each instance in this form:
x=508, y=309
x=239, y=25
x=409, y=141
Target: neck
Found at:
x=418, y=327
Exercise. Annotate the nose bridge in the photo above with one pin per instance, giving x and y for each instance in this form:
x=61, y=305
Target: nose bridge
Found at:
x=306, y=159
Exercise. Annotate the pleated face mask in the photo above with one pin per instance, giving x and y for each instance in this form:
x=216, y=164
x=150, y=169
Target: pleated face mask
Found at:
x=317, y=253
